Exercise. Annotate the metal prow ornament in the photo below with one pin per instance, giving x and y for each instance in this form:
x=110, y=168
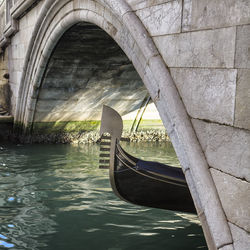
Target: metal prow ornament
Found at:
x=111, y=123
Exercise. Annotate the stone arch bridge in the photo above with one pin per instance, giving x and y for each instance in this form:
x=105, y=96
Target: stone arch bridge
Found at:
x=193, y=56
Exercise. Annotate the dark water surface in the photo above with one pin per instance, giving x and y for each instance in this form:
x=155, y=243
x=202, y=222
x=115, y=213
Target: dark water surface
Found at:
x=54, y=197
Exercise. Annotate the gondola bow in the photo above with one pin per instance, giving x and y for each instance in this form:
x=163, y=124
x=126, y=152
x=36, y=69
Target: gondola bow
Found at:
x=140, y=182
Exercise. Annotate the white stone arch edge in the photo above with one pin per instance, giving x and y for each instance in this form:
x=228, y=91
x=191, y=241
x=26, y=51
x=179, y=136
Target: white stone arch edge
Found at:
x=121, y=23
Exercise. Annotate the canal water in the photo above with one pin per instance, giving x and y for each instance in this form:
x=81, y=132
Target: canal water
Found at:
x=54, y=197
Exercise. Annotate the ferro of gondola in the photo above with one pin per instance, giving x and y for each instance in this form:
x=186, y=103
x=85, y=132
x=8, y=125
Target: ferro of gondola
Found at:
x=103, y=161
x=104, y=149
x=104, y=155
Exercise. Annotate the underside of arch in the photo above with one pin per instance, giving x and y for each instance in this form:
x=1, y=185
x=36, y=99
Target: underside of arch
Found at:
x=86, y=70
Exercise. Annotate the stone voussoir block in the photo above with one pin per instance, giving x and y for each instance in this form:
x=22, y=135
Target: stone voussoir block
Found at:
x=162, y=19
x=140, y=35
x=205, y=14
x=126, y=41
x=95, y=18
x=138, y=4
x=214, y=92
x=84, y=4
x=209, y=48
x=226, y=148
x=241, y=238
x=232, y=193
x=120, y=7
x=67, y=8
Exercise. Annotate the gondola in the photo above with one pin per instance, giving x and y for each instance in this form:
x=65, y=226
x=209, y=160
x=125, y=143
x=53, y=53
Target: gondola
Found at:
x=140, y=182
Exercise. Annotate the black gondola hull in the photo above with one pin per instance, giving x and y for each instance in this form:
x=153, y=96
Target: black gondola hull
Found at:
x=142, y=188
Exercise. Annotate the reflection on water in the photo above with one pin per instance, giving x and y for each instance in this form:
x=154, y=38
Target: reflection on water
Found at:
x=54, y=197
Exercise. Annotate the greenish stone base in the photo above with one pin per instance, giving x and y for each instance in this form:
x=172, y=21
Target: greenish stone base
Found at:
x=86, y=126
x=64, y=127
x=80, y=132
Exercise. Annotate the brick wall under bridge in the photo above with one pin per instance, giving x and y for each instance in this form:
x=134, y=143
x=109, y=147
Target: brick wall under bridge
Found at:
x=193, y=58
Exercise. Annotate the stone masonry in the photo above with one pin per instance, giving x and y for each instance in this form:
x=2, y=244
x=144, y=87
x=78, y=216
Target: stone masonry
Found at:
x=194, y=58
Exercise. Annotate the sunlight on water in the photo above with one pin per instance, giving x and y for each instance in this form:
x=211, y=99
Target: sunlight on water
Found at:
x=54, y=197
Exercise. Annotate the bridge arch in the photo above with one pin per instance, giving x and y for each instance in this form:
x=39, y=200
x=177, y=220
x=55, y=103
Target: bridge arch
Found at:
x=120, y=22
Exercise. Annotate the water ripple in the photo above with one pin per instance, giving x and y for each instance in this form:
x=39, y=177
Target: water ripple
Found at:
x=6, y=244
x=56, y=198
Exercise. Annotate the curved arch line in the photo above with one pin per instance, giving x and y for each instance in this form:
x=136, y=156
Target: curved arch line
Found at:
x=168, y=103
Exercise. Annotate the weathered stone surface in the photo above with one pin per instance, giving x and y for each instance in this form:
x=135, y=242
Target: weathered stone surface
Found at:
x=242, y=59
x=53, y=111
x=81, y=104
x=5, y=95
x=17, y=51
x=240, y=237
x=139, y=4
x=139, y=33
x=59, y=94
x=232, y=193
x=242, y=108
x=86, y=70
x=207, y=93
x=226, y=148
x=162, y=19
x=204, y=14
x=120, y=7
x=211, y=48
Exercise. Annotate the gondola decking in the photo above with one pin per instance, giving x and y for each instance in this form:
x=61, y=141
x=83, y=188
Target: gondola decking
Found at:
x=140, y=182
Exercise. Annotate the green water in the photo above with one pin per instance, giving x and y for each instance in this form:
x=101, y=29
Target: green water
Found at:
x=54, y=197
